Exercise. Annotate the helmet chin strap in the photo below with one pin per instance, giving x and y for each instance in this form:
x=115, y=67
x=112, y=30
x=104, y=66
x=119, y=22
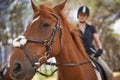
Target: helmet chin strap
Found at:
x=82, y=21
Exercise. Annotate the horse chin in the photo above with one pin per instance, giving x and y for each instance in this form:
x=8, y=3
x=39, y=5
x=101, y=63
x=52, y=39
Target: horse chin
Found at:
x=23, y=78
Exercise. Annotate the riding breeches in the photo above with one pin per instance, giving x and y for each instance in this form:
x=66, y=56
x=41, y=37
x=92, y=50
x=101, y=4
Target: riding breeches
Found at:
x=108, y=71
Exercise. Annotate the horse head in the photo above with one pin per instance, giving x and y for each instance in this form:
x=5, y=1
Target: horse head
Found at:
x=40, y=41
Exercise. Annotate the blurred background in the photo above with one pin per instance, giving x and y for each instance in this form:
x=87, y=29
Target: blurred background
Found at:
x=15, y=15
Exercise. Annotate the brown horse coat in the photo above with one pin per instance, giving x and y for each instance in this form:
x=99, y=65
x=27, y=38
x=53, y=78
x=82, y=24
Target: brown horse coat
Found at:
x=72, y=50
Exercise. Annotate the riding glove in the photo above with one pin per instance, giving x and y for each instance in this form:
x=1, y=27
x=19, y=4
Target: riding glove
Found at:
x=98, y=53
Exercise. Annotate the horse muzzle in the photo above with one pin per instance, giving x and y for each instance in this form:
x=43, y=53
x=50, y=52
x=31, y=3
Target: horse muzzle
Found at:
x=20, y=72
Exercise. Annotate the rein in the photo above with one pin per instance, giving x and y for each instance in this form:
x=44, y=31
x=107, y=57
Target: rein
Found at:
x=69, y=64
x=61, y=64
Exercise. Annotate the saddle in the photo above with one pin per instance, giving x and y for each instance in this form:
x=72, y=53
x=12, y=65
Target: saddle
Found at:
x=100, y=73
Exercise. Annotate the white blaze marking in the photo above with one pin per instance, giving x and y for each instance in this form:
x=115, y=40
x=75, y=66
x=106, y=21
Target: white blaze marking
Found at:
x=36, y=19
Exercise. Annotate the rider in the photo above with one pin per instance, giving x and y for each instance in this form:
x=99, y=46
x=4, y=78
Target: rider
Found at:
x=88, y=34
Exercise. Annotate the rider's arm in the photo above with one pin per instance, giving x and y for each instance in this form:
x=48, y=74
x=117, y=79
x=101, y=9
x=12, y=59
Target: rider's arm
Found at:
x=97, y=41
x=98, y=45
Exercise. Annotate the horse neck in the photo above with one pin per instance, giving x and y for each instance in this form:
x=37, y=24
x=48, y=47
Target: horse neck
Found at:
x=72, y=53
x=72, y=48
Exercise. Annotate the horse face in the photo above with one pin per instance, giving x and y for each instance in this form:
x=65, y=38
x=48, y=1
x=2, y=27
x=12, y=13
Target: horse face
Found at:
x=41, y=34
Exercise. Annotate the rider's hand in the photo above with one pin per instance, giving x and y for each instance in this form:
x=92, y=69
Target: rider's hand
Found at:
x=98, y=53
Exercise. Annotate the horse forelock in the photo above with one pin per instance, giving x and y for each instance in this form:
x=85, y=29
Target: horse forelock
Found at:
x=43, y=9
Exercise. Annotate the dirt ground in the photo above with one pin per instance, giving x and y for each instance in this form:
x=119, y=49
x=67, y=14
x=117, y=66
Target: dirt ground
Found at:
x=116, y=75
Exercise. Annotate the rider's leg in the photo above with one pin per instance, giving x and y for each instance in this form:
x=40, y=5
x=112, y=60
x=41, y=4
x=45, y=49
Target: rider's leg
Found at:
x=108, y=71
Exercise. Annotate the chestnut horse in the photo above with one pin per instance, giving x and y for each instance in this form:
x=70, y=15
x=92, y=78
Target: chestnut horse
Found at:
x=50, y=35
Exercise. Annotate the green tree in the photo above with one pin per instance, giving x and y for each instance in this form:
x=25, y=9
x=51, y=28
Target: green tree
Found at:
x=13, y=15
x=105, y=13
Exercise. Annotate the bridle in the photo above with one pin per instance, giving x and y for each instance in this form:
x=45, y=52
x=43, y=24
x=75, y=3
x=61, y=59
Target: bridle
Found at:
x=48, y=43
x=48, y=46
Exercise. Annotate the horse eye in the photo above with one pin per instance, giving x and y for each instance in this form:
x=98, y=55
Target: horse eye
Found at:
x=46, y=25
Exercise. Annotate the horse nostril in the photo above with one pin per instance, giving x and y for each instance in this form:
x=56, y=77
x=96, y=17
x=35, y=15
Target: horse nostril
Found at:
x=17, y=68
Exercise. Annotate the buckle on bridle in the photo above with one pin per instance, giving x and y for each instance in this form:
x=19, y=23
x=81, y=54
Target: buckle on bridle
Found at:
x=39, y=61
x=45, y=42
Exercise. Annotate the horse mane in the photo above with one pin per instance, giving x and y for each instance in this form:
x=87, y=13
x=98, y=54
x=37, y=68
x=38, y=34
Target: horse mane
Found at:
x=74, y=32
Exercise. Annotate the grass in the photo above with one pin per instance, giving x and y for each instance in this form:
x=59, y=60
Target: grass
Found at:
x=116, y=75
x=47, y=71
x=39, y=77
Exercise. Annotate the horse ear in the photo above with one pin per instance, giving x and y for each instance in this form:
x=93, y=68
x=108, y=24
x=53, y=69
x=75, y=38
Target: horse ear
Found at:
x=60, y=7
x=34, y=7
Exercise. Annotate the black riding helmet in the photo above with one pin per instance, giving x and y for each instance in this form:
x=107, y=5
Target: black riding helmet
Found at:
x=83, y=9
